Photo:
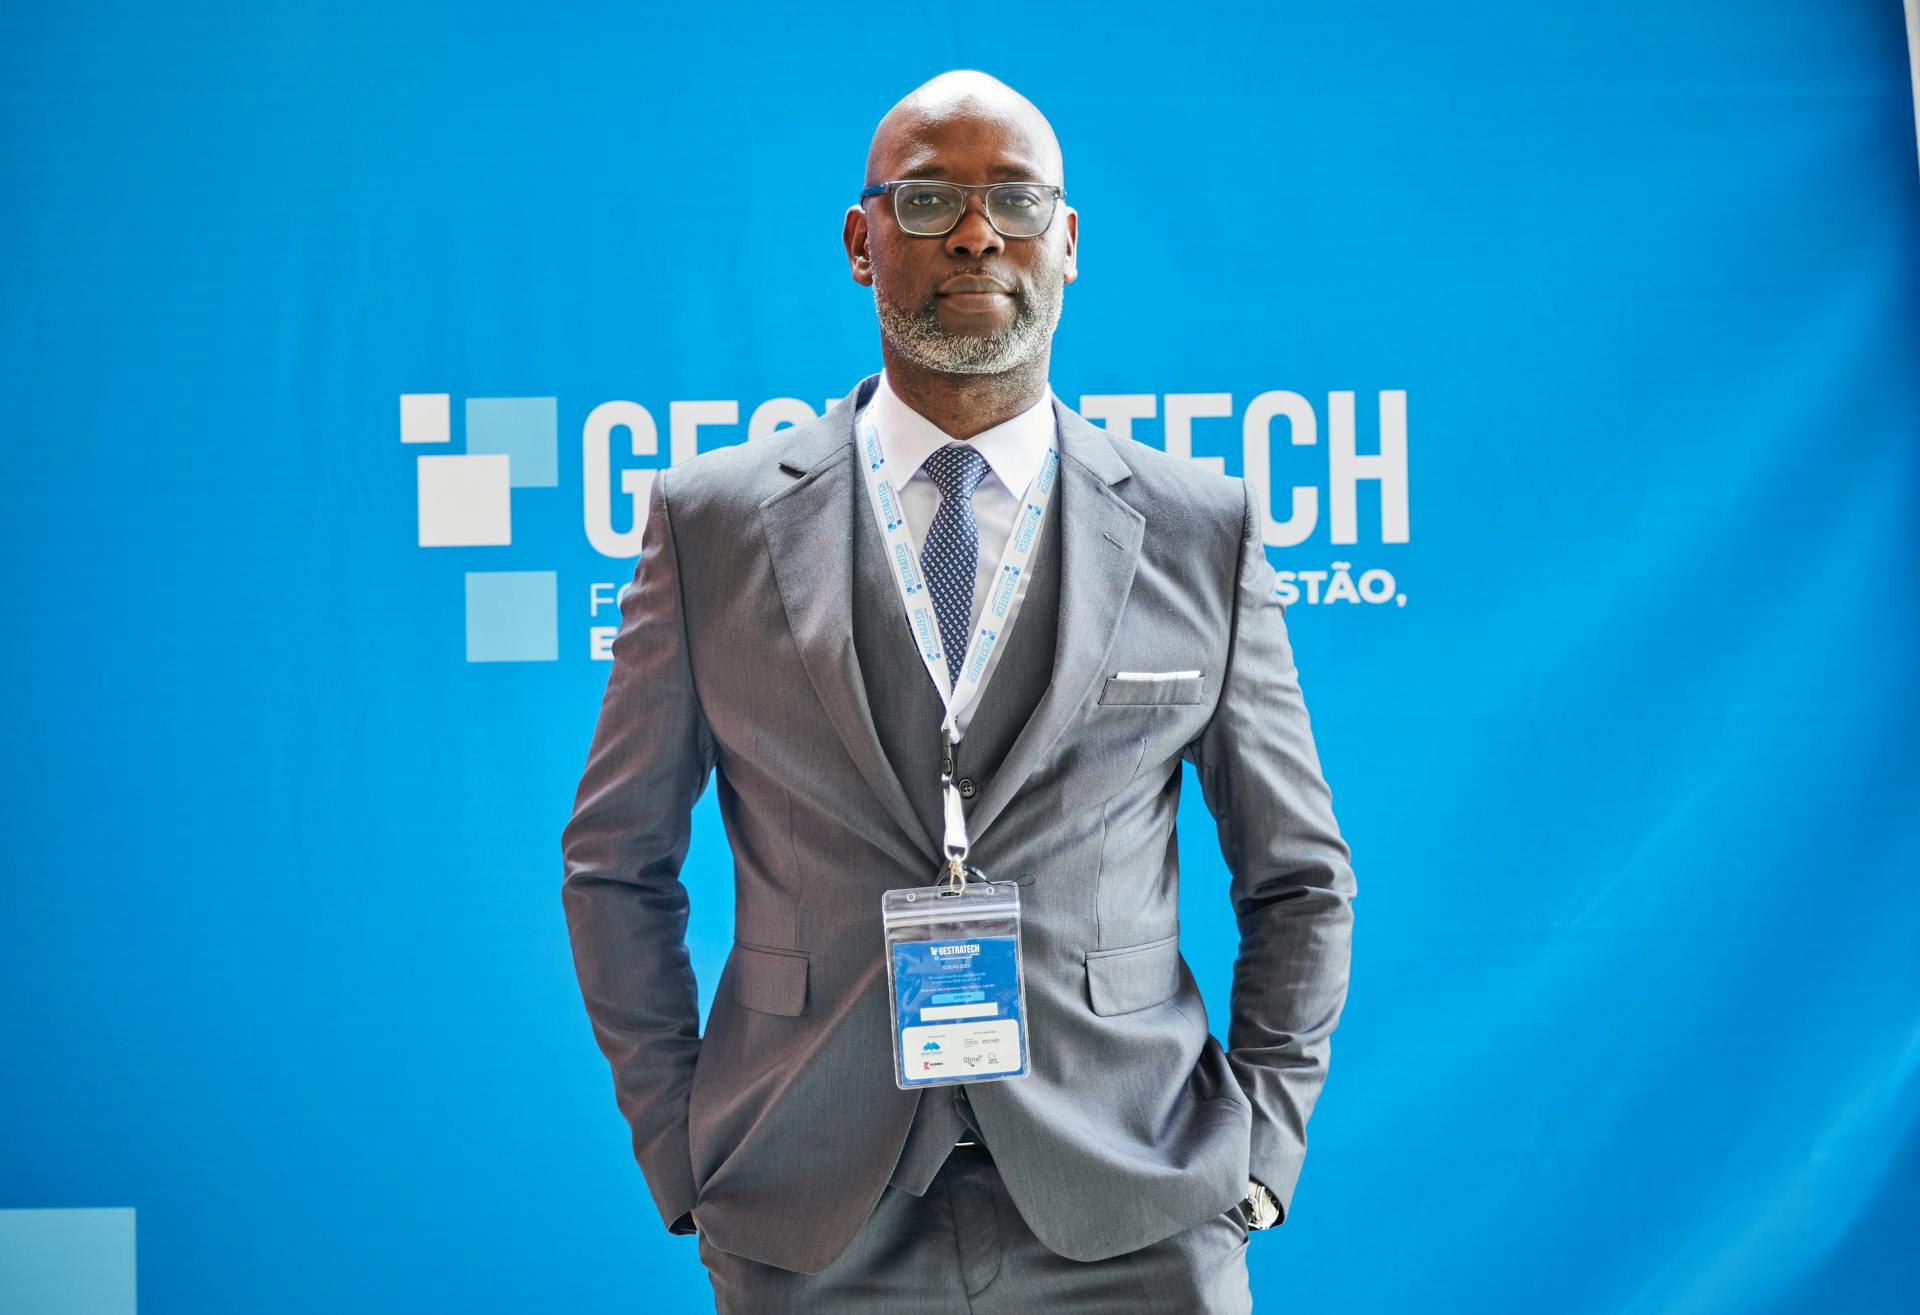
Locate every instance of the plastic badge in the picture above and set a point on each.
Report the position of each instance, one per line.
(957, 983)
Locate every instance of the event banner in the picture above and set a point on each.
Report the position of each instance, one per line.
(1571, 357)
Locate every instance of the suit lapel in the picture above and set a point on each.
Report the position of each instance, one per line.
(811, 543)
(1100, 538)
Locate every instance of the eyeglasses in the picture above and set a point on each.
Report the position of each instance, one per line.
(930, 209)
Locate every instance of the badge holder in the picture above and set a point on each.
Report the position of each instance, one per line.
(959, 996)
(954, 971)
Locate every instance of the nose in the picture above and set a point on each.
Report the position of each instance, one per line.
(973, 235)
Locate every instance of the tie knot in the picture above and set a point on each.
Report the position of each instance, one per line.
(956, 470)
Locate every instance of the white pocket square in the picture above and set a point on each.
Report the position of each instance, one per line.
(1156, 675)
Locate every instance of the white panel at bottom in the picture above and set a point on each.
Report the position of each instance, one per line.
(946, 1049)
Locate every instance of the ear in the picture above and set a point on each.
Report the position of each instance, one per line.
(1072, 271)
(854, 234)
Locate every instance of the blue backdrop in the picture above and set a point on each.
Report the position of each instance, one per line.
(1602, 325)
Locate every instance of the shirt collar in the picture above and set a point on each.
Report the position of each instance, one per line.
(1015, 448)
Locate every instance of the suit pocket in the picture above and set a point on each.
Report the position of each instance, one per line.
(1159, 689)
(771, 981)
(1237, 1216)
(1133, 976)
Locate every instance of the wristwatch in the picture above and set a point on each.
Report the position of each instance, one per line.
(1260, 1207)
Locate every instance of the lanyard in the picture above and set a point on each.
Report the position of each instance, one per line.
(889, 514)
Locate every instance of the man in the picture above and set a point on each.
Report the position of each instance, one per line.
(764, 638)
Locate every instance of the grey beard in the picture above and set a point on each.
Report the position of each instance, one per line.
(923, 340)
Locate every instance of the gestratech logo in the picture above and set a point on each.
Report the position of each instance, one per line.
(465, 499)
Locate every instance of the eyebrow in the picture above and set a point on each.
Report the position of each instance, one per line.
(1022, 173)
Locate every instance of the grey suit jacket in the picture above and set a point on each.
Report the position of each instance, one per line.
(778, 1128)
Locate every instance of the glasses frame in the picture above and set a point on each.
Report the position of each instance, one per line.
(892, 189)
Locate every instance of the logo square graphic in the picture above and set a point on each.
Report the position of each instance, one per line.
(424, 418)
(465, 502)
(523, 428)
(68, 1261)
(513, 616)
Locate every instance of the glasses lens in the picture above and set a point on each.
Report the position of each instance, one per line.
(1019, 210)
(927, 208)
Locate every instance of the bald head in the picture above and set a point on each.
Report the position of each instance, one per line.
(904, 144)
(972, 303)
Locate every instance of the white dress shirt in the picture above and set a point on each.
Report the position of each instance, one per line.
(1015, 450)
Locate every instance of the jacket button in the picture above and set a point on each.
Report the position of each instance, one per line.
(967, 788)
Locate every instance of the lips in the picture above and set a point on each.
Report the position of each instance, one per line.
(967, 283)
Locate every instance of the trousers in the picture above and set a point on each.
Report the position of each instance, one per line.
(962, 1248)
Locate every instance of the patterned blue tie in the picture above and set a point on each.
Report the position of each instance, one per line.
(951, 554)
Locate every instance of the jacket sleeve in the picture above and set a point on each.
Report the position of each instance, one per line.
(625, 906)
(1292, 883)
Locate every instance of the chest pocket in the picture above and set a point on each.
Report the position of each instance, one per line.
(1135, 691)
